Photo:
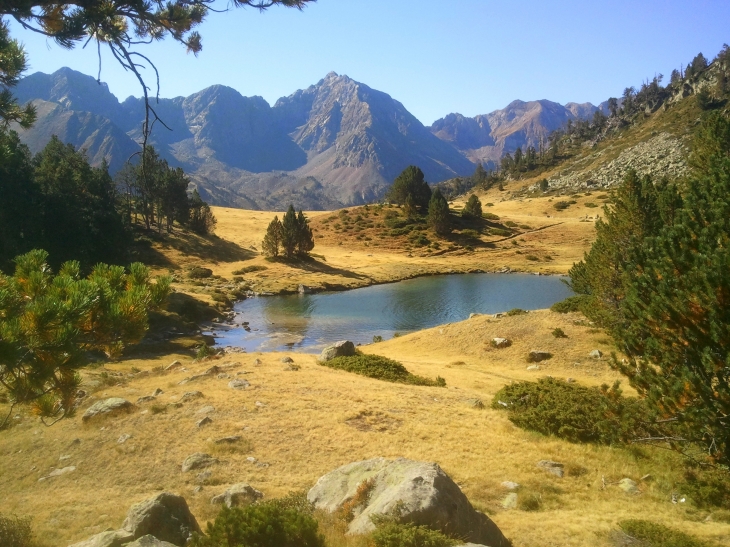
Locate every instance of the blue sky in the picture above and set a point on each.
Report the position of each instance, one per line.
(435, 57)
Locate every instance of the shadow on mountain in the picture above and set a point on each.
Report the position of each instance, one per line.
(311, 264)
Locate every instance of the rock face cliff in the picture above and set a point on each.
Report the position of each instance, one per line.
(487, 137)
(336, 143)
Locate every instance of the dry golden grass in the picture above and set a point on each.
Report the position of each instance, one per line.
(310, 421)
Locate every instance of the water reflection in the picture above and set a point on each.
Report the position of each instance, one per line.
(309, 322)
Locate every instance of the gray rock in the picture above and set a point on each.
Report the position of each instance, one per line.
(509, 485)
(207, 409)
(109, 538)
(510, 501)
(238, 494)
(198, 461)
(228, 440)
(123, 438)
(422, 491)
(473, 315)
(628, 486)
(595, 354)
(476, 403)
(501, 342)
(257, 362)
(106, 407)
(238, 384)
(552, 467)
(343, 348)
(146, 399)
(166, 517)
(536, 356)
(175, 364)
(157, 392)
(205, 421)
(190, 395)
(533, 367)
(149, 541)
(286, 360)
(58, 472)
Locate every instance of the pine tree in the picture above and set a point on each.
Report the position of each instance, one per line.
(305, 237)
(409, 208)
(272, 240)
(677, 334)
(289, 232)
(49, 324)
(473, 208)
(410, 182)
(201, 219)
(438, 213)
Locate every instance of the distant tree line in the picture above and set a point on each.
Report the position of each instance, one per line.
(57, 201)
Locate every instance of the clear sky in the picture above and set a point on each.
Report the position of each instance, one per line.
(434, 56)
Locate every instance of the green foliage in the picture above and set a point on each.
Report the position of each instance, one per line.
(204, 351)
(276, 523)
(15, 532)
(13, 62)
(438, 214)
(533, 258)
(559, 333)
(516, 311)
(653, 534)
(198, 272)
(380, 368)
(411, 182)
(561, 205)
(272, 240)
(473, 208)
(293, 233)
(377, 338)
(49, 324)
(201, 219)
(501, 232)
(544, 185)
(576, 413)
(392, 534)
(708, 487)
(530, 502)
(249, 269)
(490, 216)
(570, 304)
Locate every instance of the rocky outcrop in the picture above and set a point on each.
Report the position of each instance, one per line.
(107, 407)
(238, 494)
(198, 461)
(162, 521)
(409, 491)
(343, 348)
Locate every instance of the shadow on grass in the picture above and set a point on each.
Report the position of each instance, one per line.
(149, 246)
(311, 264)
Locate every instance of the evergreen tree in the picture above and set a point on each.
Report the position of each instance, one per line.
(272, 240)
(677, 334)
(49, 324)
(13, 62)
(410, 182)
(473, 208)
(479, 178)
(305, 237)
(613, 106)
(409, 208)
(438, 213)
(201, 219)
(289, 232)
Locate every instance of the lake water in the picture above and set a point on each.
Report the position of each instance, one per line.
(308, 322)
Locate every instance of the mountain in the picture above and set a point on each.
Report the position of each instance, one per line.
(487, 137)
(333, 144)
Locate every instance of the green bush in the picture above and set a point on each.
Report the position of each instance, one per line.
(559, 333)
(561, 205)
(707, 488)
(533, 258)
(377, 338)
(499, 232)
(204, 351)
(250, 269)
(652, 534)
(570, 304)
(380, 368)
(15, 532)
(392, 534)
(516, 311)
(490, 216)
(570, 411)
(591, 205)
(510, 224)
(276, 523)
(200, 273)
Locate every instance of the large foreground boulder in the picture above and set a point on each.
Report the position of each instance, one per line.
(343, 348)
(106, 407)
(110, 538)
(410, 491)
(238, 494)
(166, 517)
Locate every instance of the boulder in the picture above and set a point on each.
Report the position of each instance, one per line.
(198, 461)
(595, 354)
(343, 348)
(628, 486)
(205, 421)
(238, 384)
(411, 491)
(554, 468)
(536, 356)
(501, 342)
(510, 501)
(510, 485)
(286, 360)
(166, 517)
(109, 538)
(238, 494)
(107, 406)
(149, 541)
(191, 395)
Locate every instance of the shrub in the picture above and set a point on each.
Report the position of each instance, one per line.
(561, 205)
(533, 258)
(591, 205)
(392, 534)
(499, 232)
(559, 333)
(571, 411)
(204, 351)
(250, 269)
(490, 216)
(377, 338)
(15, 532)
(658, 535)
(199, 273)
(270, 524)
(707, 488)
(510, 224)
(516, 311)
(470, 233)
(380, 368)
(531, 502)
(570, 304)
